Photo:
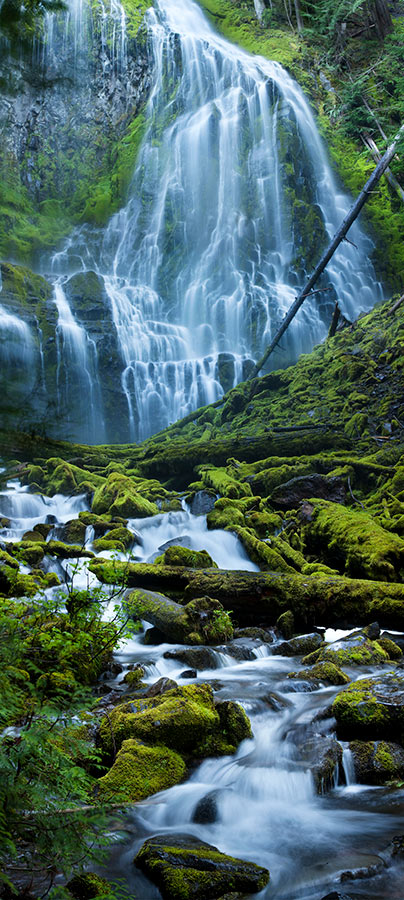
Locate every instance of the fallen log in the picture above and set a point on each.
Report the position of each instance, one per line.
(261, 597)
(201, 621)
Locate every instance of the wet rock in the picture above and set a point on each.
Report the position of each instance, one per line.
(286, 624)
(201, 621)
(364, 871)
(321, 673)
(184, 719)
(291, 493)
(161, 687)
(202, 503)
(239, 649)
(323, 755)
(175, 555)
(355, 650)
(205, 812)
(183, 540)
(195, 657)
(112, 671)
(377, 761)
(182, 864)
(305, 643)
(336, 895)
(276, 701)
(260, 634)
(188, 673)
(393, 644)
(87, 885)
(371, 708)
(73, 532)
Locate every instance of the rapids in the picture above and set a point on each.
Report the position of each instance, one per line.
(264, 804)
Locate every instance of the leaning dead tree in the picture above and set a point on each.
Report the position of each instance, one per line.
(338, 237)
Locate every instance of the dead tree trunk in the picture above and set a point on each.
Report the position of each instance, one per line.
(338, 237)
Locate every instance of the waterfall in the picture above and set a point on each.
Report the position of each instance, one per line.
(76, 375)
(230, 204)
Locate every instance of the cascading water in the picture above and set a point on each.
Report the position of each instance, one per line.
(231, 201)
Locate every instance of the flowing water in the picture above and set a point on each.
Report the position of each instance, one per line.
(230, 204)
(261, 802)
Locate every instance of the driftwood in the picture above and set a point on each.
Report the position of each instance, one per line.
(396, 305)
(338, 237)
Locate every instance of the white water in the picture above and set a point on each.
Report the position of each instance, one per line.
(266, 807)
(206, 257)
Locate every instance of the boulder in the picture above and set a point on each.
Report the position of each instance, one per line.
(322, 673)
(205, 812)
(118, 496)
(201, 621)
(355, 650)
(371, 709)
(183, 556)
(202, 503)
(198, 658)
(305, 643)
(323, 755)
(140, 770)
(183, 866)
(289, 494)
(377, 761)
(183, 718)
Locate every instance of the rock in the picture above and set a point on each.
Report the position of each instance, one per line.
(391, 647)
(371, 709)
(260, 634)
(183, 556)
(239, 649)
(354, 650)
(140, 770)
(73, 532)
(183, 718)
(323, 755)
(205, 812)
(323, 673)
(134, 677)
(305, 643)
(183, 540)
(397, 639)
(182, 865)
(119, 496)
(161, 687)
(276, 701)
(377, 761)
(87, 885)
(286, 624)
(202, 503)
(336, 895)
(188, 673)
(291, 493)
(198, 658)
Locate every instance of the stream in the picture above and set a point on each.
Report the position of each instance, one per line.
(259, 804)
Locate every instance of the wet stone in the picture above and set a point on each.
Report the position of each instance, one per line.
(305, 643)
(196, 657)
(206, 812)
(188, 673)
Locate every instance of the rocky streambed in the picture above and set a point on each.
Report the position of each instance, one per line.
(229, 752)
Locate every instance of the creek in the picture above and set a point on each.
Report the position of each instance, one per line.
(261, 803)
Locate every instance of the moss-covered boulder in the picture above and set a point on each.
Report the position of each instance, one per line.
(184, 867)
(88, 885)
(140, 770)
(120, 496)
(73, 532)
(353, 541)
(183, 556)
(225, 481)
(184, 719)
(371, 709)
(289, 494)
(323, 673)
(305, 643)
(376, 762)
(355, 650)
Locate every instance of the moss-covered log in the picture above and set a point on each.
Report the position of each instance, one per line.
(264, 596)
(201, 621)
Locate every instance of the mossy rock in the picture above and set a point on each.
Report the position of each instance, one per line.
(354, 650)
(88, 885)
(74, 532)
(140, 770)
(182, 556)
(323, 672)
(119, 497)
(184, 718)
(133, 678)
(224, 482)
(185, 868)
(371, 709)
(30, 552)
(67, 551)
(390, 647)
(377, 761)
(299, 645)
(121, 535)
(286, 624)
(228, 517)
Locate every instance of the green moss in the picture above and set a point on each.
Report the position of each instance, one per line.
(121, 496)
(139, 771)
(356, 650)
(88, 885)
(325, 672)
(182, 556)
(224, 481)
(371, 708)
(390, 647)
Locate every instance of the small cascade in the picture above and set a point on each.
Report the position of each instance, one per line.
(348, 765)
(77, 375)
